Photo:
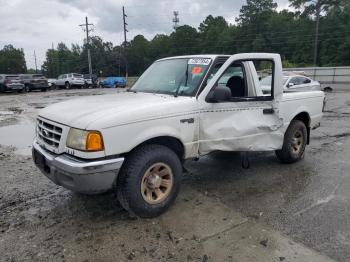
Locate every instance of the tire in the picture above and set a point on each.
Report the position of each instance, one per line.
(67, 85)
(295, 140)
(140, 181)
(43, 89)
(27, 88)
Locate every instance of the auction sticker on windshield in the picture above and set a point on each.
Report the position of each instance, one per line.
(199, 61)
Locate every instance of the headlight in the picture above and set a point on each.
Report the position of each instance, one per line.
(85, 140)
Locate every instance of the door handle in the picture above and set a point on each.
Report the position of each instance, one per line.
(268, 111)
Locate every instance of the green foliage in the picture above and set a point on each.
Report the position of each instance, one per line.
(259, 28)
(12, 60)
(255, 11)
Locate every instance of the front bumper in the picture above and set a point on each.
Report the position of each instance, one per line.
(14, 87)
(87, 177)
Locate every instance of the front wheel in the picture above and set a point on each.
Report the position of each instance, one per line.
(67, 85)
(294, 143)
(149, 181)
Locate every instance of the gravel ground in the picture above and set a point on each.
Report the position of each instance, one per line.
(270, 212)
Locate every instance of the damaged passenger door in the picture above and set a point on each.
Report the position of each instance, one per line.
(240, 105)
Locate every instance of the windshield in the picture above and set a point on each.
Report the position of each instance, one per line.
(12, 77)
(266, 81)
(174, 76)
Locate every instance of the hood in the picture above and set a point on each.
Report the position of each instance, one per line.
(102, 111)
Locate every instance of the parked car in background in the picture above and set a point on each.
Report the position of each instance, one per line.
(34, 82)
(51, 81)
(291, 82)
(70, 80)
(113, 81)
(90, 80)
(11, 83)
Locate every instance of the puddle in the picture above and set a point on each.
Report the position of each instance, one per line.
(19, 136)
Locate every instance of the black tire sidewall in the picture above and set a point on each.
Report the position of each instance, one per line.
(286, 154)
(130, 178)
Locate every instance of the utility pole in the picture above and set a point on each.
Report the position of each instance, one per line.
(176, 20)
(36, 67)
(318, 15)
(125, 43)
(86, 28)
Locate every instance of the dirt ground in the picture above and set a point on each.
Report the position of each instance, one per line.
(269, 212)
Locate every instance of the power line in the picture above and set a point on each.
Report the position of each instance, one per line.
(86, 28)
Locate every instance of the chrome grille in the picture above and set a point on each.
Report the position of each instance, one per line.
(49, 133)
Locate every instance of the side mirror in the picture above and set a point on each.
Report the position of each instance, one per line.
(290, 84)
(219, 94)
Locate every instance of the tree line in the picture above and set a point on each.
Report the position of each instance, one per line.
(258, 28)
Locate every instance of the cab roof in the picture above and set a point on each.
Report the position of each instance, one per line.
(213, 57)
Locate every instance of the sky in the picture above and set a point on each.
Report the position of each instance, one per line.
(36, 25)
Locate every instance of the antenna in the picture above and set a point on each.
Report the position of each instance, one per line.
(176, 20)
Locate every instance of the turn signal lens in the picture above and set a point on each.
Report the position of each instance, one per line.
(94, 141)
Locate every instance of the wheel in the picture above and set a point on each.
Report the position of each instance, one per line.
(43, 89)
(294, 143)
(67, 85)
(27, 88)
(149, 181)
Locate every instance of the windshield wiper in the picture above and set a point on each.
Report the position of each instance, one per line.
(178, 88)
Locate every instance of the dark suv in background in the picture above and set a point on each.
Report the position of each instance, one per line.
(34, 82)
(10, 83)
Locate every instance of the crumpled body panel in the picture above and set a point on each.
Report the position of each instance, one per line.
(235, 128)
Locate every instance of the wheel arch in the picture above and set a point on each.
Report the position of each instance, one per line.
(171, 142)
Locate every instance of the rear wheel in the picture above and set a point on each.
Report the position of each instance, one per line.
(67, 85)
(149, 181)
(294, 143)
(27, 88)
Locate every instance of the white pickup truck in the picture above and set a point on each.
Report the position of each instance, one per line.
(184, 107)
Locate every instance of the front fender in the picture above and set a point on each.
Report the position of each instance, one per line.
(124, 138)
